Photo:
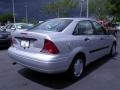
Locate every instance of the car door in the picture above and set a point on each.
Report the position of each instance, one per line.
(84, 33)
(103, 38)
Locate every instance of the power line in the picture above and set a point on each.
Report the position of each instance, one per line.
(26, 13)
(87, 14)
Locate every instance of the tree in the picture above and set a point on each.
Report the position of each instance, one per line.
(98, 7)
(60, 8)
(113, 7)
(4, 18)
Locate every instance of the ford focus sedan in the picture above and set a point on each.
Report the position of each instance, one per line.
(62, 45)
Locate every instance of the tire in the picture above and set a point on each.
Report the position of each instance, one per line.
(113, 50)
(77, 67)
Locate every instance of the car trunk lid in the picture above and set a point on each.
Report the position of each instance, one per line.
(29, 41)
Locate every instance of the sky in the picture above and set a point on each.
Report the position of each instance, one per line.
(34, 8)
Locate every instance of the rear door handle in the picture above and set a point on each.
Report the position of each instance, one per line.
(87, 39)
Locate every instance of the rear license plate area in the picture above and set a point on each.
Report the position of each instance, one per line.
(25, 43)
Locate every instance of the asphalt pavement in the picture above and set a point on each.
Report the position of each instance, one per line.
(103, 74)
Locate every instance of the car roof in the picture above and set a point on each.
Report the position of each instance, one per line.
(78, 19)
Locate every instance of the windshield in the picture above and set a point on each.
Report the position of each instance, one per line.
(56, 25)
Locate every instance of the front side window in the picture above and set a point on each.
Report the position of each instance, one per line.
(83, 28)
(99, 30)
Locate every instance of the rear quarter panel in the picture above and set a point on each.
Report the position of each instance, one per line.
(69, 46)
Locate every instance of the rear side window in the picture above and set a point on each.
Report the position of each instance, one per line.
(56, 25)
(83, 28)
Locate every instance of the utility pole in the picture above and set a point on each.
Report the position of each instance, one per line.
(87, 14)
(58, 13)
(26, 13)
(13, 6)
(81, 7)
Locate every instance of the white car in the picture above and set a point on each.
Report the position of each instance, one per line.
(62, 45)
(18, 27)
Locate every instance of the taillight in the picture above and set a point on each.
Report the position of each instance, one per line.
(49, 47)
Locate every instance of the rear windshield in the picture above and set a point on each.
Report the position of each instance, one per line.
(56, 25)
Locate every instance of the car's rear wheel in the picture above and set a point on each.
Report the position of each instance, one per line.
(76, 68)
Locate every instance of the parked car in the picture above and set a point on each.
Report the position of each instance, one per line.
(62, 45)
(5, 39)
(41, 22)
(18, 27)
(2, 27)
(116, 26)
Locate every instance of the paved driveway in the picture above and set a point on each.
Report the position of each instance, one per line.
(103, 74)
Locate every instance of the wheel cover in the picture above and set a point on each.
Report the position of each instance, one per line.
(78, 68)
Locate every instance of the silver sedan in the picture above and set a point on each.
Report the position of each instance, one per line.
(62, 45)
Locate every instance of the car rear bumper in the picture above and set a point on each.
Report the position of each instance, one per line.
(40, 62)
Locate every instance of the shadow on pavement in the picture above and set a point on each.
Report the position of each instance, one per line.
(60, 81)
(96, 64)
